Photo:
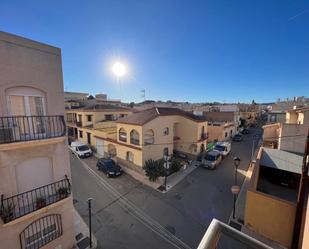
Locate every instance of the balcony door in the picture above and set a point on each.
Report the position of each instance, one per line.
(29, 105)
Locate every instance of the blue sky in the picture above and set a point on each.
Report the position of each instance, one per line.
(194, 51)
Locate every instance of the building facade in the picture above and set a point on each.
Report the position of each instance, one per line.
(150, 133)
(36, 202)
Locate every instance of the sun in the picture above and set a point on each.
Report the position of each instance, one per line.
(119, 69)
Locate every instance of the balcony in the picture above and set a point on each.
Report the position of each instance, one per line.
(25, 203)
(217, 228)
(27, 128)
(203, 137)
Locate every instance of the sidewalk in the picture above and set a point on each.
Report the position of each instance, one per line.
(177, 177)
(82, 233)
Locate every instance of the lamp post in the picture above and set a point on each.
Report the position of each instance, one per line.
(235, 189)
(165, 171)
(90, 228)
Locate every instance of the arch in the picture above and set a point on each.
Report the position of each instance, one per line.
(41, 231)
(111, 149)
(134, 137)
(149, 137)
(130, 156)
(122, 135)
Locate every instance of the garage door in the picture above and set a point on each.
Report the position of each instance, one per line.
(100, 147)
(27, 180)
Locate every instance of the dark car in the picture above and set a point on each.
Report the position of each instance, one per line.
(237, 138)
(109, 167)
(245, 131)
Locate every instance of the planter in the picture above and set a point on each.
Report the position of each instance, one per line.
(40, 202)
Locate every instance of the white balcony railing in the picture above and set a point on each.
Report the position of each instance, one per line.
(217, 228)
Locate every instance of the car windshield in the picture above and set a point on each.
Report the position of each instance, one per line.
(219, 148)
(83, 148)
(109, 164)
(211, 158)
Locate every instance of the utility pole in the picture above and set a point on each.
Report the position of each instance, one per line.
(89, 213)
(303, 186)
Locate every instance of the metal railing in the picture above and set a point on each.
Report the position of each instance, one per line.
(217, 228)
(27, 128)
(204, 136)
(24, 203)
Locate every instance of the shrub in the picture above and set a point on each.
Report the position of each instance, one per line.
(175, 165)
(153, 169)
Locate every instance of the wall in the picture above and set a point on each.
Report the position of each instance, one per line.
(293, 137)
(306, 229)
(270, 217)
(27, 63)
(218, 132)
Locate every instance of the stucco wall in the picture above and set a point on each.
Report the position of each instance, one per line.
(27, 63)
(270, 217)
(293, 137)
(9, 233)
(218, 132)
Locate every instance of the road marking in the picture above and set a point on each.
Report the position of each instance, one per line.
(136, 212)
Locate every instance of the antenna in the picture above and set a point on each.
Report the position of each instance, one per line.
(143, 94)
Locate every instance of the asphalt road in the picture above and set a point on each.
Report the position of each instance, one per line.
(127, 214)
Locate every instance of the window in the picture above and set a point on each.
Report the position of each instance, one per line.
(130, 156)
(166, 131)
(122, 135)
(149, 137)
(225, 134)
(41, 232)
(81, 134)
(134, 137)
(89, 118)
(165, 151)
(109, 117)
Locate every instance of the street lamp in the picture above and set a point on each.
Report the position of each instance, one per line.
(235, 189)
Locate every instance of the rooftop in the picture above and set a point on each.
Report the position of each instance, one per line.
(282, 160)
(143, 117)
(102, 107)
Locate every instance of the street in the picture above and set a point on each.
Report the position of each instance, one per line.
(128, 214)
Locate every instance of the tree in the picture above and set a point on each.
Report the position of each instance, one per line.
(90, 97)
(131, 104)
(153, 169)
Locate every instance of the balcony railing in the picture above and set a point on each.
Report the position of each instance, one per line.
(27, 128)
(204, 136)
(217, 228)
(24, 203)
(134, 141)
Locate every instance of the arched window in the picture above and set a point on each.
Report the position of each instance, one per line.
(130, 156)
(134, 137)
(149, 137)
(122, 135)
(166, 131)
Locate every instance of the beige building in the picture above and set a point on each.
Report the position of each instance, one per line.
(36, 201)
(221, 131)
(85, 124)
(149, 133)
(272, 195)
(291, 134)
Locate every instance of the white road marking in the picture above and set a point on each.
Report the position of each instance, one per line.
(136, 212)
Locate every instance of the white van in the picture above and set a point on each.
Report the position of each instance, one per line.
(81, 149)
(224, 148)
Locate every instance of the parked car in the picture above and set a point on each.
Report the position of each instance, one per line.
(81, 149)
(245, 131)
(109, 167)
(237, 137)
(212, 159)
(224, 148)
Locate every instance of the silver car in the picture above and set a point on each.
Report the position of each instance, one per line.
(212, 159)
